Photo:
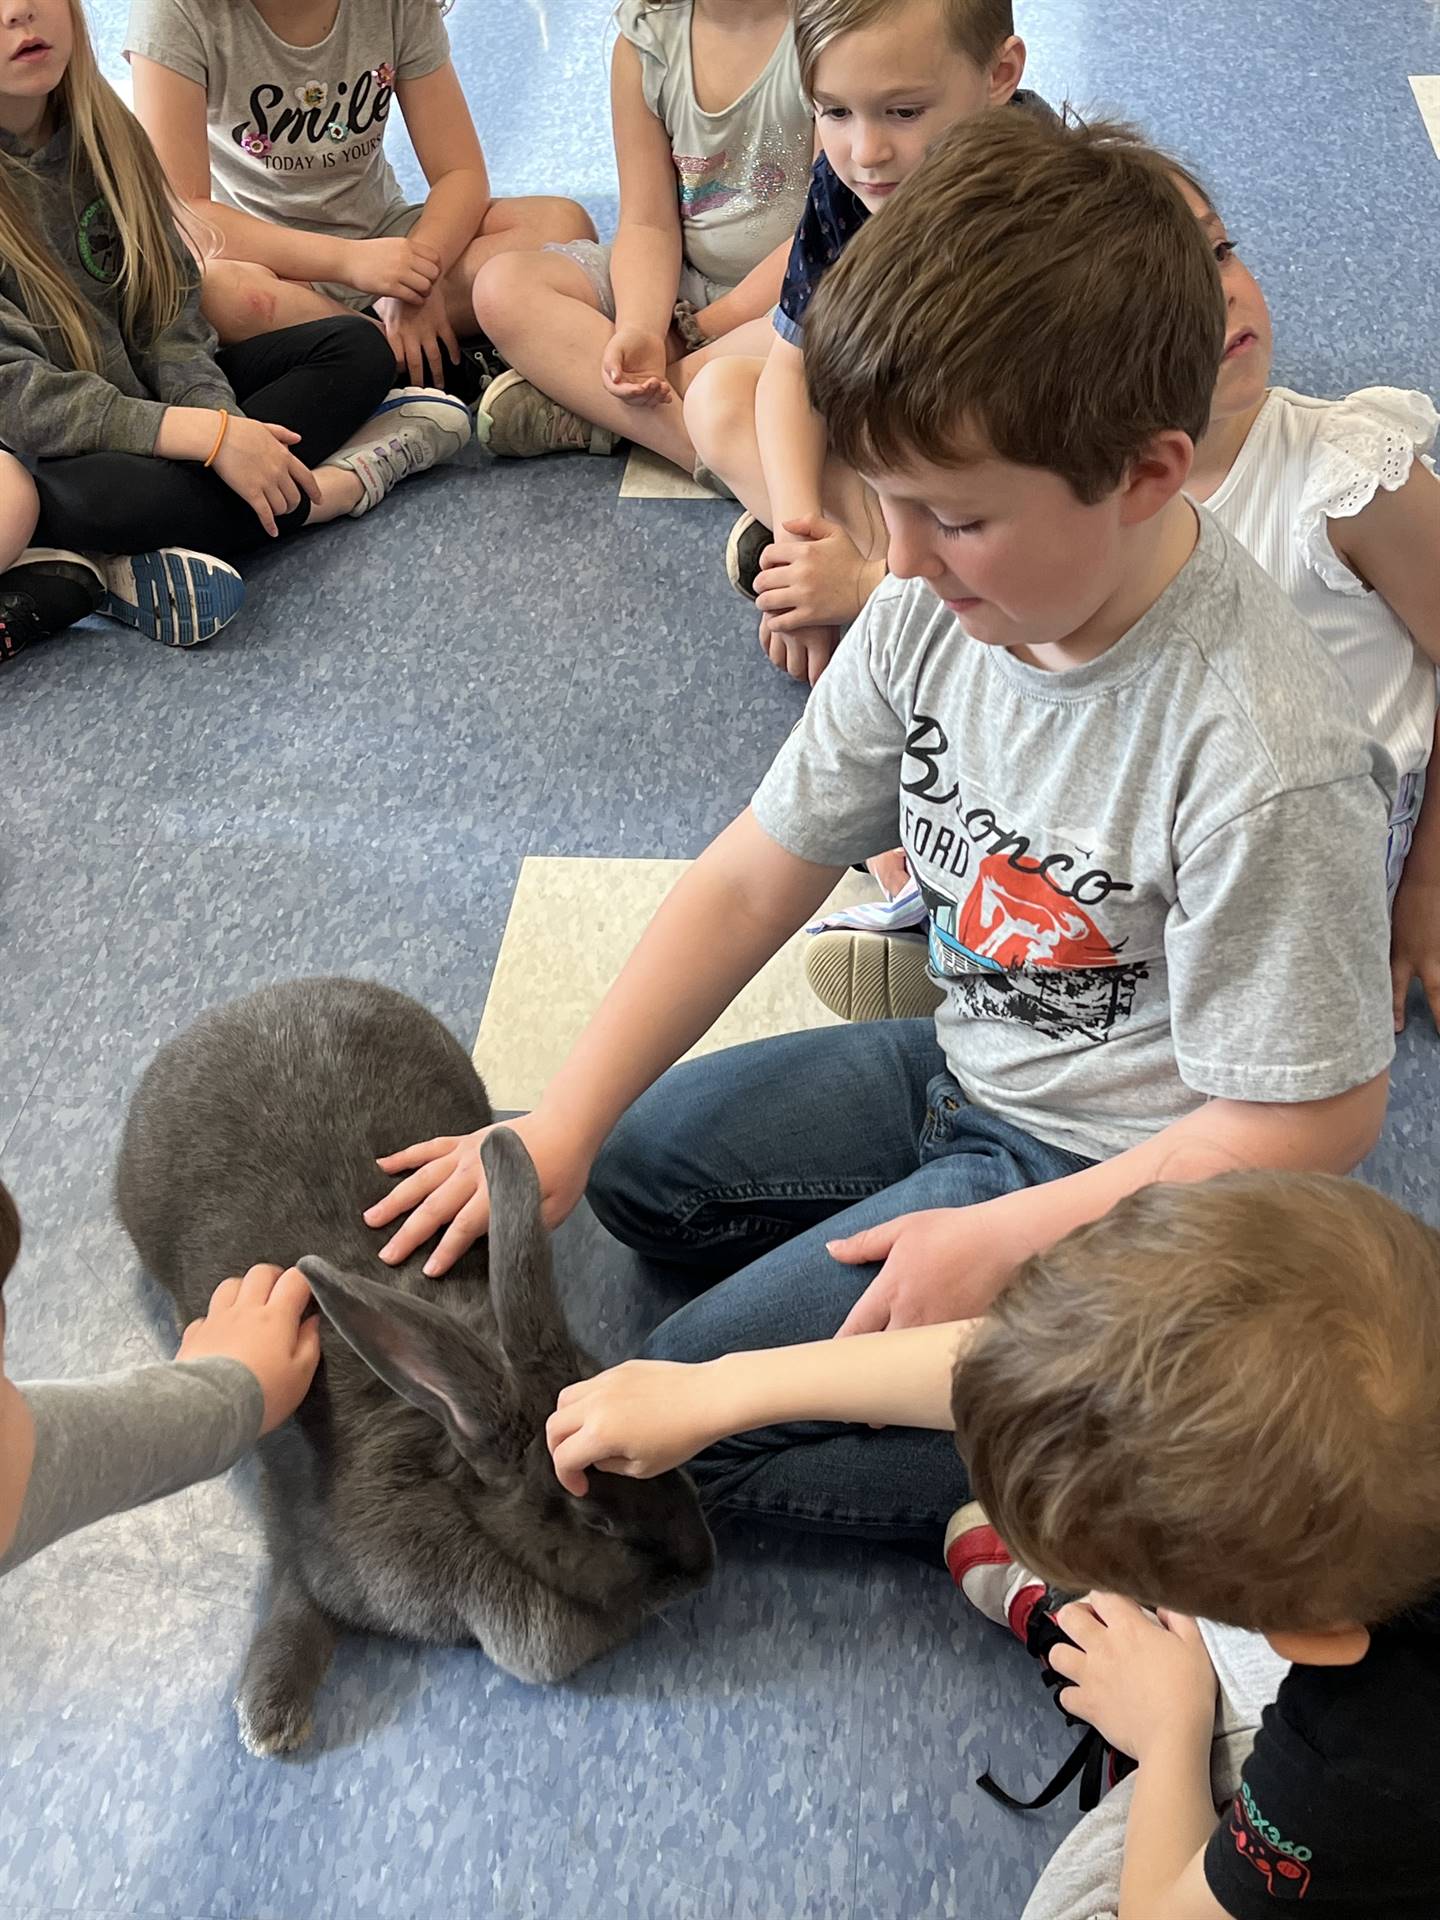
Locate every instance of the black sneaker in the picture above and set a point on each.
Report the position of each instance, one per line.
(44, 592)
(749, 538)
(480, 362)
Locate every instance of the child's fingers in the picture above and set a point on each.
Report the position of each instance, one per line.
(264, 515)
(420, 1185)
(225, 1295)
(287, 436)
(307, 1344)
(305, 480)
(1401, 975)
(420, 1155)
(257, 1285)
(289, 1292)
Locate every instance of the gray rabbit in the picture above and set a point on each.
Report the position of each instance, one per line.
(412, 1493)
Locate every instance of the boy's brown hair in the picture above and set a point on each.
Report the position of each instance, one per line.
(1221, 1398)
(976, 28)
(1035, 291)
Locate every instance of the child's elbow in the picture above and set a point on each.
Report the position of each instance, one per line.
(1359, 1121)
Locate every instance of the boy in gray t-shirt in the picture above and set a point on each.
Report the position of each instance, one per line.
(1125, 775)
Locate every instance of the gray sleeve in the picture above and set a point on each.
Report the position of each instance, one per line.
(421, 43)
(103, 1446)
(48, 412)
(162, 31)
(832, 794)
(179, 367)
(1279, 951)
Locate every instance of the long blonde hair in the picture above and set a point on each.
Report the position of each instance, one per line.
(107, 139)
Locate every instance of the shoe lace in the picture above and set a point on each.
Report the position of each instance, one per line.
(1094, 1762)
(398, 455)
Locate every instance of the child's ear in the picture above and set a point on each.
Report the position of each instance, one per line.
(1156, 474)
(1007, 70)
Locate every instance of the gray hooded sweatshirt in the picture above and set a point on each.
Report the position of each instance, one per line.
(48, 410)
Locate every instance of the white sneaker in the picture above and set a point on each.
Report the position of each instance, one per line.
(416, 428)
(172, 595)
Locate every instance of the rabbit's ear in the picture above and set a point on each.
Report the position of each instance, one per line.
(429, 1357)
(537, 1344)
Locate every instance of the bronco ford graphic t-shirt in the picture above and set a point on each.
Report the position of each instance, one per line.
(296, 133)
(1153, 878)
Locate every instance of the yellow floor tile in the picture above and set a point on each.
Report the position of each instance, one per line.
(648, 477)
(571, 926)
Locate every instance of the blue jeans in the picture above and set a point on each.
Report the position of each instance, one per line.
(738, 1167)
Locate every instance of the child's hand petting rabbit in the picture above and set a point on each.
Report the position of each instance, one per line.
(447, 1184)
(638, 1419)
(260, 1321)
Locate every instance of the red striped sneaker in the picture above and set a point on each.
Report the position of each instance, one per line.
(981, 1566)
(997, 1585)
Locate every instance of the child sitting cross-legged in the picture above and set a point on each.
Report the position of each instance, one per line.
(137, 460)
(886, 78)
(1152, 872)
(1220, 1399)
(1339, 503)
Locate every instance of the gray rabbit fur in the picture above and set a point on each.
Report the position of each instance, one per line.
(412, 1493)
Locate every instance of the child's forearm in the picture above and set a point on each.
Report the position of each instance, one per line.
(1223, 1136)
(720, 923)
(187, 433)
(896, 1379)
(791, 436)
(755, 295)
(292, 252)
(104, 1446)
(1171, 1820)
(645, 272)
(454, 208)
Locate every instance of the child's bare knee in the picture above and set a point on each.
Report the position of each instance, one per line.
(567, 220)
(503, 288)
(720, 409)
(19, 508)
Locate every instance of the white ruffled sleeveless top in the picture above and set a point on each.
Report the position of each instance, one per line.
(1304, 463)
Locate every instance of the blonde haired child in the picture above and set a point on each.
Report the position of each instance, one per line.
(110, 388)
(713, 142)
(886, 77)
(270, 118)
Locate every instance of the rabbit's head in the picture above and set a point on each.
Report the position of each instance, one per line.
(491, 1388)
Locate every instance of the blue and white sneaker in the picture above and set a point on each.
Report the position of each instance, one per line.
(172, 595)
(415, 429)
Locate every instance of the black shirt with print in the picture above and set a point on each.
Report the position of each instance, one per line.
(1336, 1812)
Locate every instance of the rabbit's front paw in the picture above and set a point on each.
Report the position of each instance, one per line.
(271, 1723)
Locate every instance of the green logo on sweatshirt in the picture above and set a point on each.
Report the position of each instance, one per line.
(101, 252)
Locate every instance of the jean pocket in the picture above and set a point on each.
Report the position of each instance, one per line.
(944, 1115)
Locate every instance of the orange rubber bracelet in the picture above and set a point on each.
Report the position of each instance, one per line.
(220, 437)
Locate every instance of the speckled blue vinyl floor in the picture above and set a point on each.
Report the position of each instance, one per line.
(504, 662)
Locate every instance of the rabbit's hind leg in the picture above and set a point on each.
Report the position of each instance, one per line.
(283, 1669)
